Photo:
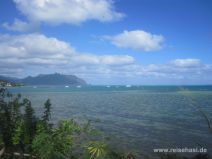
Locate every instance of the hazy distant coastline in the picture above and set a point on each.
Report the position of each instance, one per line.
(47, 79)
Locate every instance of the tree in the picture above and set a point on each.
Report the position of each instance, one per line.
(47, 114)
(25, 129)
(57, 143)
(9, 116)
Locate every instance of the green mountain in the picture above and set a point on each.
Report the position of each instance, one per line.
(48, 79)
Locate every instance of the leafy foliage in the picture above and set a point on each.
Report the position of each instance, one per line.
(96, 149)
(47, 114)
(9, 116)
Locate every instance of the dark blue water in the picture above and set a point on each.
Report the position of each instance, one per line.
(138, 118)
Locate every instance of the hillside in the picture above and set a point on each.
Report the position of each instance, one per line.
(48, 79)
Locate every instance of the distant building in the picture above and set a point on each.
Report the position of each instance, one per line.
(8, 85)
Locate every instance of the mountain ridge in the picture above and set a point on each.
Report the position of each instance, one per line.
(47, 79)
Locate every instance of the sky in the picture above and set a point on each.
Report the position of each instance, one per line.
(145, 42)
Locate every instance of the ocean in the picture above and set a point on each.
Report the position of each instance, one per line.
(136, 118)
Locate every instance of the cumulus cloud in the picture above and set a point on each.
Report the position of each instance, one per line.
(63, 11)
(103, 60)
(137, 40)
(21, 26)
(33, 46)
(186, 62)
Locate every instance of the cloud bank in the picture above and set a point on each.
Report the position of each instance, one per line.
(31, 54)
(37, 50)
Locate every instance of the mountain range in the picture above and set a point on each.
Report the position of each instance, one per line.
(47, 79)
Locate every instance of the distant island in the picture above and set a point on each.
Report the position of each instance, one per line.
(46, 79)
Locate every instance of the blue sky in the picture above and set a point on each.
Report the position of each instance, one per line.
(108, 42)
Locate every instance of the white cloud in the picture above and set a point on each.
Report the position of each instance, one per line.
(38, 50)
(33, 46)
(147, 74)
(138, 40)
(67, 11)
(31, 54)
(21, 26)
(186, 62)
(103, 60)
(57, 12)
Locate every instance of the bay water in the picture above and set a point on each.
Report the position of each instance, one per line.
(137, 118)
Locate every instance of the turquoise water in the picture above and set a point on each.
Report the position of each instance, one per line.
(139, 118)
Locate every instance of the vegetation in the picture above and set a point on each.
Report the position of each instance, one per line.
(24, 135)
